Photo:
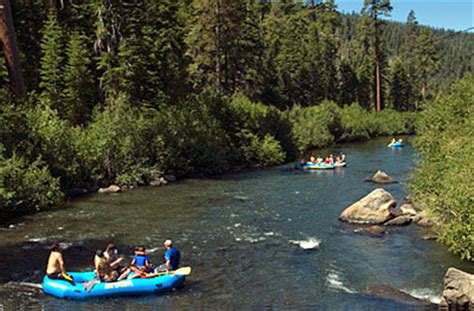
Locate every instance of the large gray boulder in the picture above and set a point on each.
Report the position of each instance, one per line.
(381, 178)
(377, 207)
(459, 288)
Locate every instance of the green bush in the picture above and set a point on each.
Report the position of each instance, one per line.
(316, 126)
(260, 152)
(121, 144)
(25, 187)
(356, 123)
(55, 141)
(391, 122)
(443, 182)
(194, 141)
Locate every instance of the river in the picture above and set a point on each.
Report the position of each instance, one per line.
(259, 238)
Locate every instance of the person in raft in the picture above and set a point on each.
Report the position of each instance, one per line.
(56, 269)
(172, 257)
(392, 141)
(103, 268)
(111, 254)
(343, 157)
(141, 264)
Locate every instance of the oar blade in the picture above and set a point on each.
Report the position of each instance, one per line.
(183, 271)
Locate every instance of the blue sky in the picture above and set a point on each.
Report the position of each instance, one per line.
(455, 14)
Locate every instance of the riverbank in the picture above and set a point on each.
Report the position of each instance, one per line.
(252, 238)
(45, 158)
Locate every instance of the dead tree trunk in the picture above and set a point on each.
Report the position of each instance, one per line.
(12, 56)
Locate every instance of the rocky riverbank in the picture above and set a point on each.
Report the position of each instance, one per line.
(379, 210)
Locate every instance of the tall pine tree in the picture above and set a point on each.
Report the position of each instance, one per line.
(52, 62)
(374, 9)
(79, 93)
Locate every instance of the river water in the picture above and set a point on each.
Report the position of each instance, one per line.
(260, 238)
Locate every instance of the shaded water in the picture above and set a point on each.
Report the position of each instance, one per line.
(252, 240)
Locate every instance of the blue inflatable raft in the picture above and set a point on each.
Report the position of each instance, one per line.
(127, 287)
(397, 145)
(314, 166)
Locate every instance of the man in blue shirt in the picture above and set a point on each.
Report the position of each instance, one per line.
(172, 257)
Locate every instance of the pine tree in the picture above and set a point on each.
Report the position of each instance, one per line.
(164, 52)
(426, 59)
(223, 43)
(374, 9)
(51, 71)
(363, 62)
(399, 86)
(79, 94)
(409, 60)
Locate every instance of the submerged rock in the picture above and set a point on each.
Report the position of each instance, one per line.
(110, 189)
(381, 178)
(459, 288)
(388, 292)
(429, 237)
(377, 207)
(374, 230)
(399, 221)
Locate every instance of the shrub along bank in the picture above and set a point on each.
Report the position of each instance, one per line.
(42, 155)
(443, 183)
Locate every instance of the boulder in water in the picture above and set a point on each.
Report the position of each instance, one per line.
(399, 221)
(429, 237)
(110, 189)
(424, 222)
(407, 209)
(377, 207)
(372, 230)
(381, 178)
(459, 288)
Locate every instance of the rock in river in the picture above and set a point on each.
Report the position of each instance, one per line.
(381, 178)
(375, 208)
(399, 221)
(388, 292)
(407, 209)
(372, 230)
(459, 288)
(110, 189)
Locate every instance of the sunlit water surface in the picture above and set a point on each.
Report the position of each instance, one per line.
(262, 238)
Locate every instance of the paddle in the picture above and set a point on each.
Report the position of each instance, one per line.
(181, 271)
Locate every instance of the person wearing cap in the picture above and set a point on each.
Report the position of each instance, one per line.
(172, 257)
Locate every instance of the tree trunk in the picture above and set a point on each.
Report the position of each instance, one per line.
(12, 56)
(377, 80)
(377, 68)
(423, 90)
(218, 48)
